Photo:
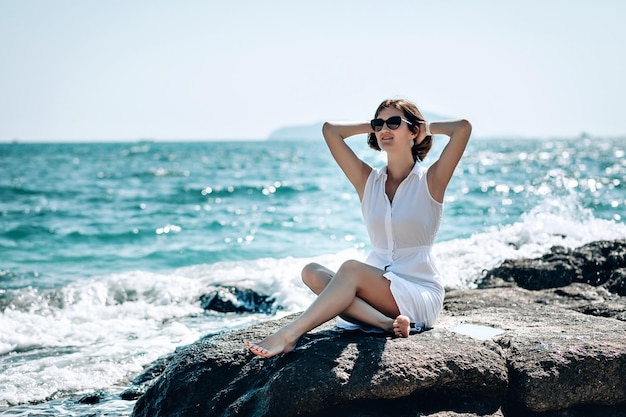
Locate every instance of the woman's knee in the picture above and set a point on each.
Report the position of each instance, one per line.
(361, 275)
(350, 267)
(309, 271)
(315, 276)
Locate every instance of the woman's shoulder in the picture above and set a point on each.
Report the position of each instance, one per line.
(377, 174)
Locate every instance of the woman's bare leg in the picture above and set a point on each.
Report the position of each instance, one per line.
(317, 277)
(354, 280)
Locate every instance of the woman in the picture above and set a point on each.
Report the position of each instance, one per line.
(397, 288)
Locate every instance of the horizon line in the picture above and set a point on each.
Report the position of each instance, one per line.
(582, 135)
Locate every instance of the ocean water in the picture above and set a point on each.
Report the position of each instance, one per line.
(105, 249)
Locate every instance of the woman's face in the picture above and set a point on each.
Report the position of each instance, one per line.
(400, 139)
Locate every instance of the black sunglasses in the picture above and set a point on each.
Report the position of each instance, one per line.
(392, 123)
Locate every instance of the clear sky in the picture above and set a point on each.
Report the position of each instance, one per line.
(191, 69)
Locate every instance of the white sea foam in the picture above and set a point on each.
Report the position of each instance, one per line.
(90, 334)
(562, 222)
(98, 333)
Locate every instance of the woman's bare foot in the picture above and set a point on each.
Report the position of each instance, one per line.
(401, 326)
(279, 342)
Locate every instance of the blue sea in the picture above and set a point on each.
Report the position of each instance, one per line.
(105, 248)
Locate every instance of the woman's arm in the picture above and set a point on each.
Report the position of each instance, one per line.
(440, 173)
(355, 169)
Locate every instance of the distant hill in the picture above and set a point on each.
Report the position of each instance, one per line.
(302, 132)
(314, 131)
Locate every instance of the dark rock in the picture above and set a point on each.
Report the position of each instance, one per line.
(503, 351)
(92, 398)
(591, 262)
(236, 300)
(152, 371)
(132, 393)
(617, 282)
(536, 274)
(143, 381)
(594, 263)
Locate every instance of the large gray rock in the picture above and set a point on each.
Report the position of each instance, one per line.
(329, 373)
(557, 358)
(501, 351)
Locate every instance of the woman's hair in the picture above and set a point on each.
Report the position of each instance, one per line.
(413, 115)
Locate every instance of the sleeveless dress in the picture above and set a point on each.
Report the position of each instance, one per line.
(402, 234)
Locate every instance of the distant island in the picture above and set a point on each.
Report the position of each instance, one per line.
(314, 131)
(301, 132)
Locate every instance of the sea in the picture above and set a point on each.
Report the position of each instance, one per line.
(106, 248)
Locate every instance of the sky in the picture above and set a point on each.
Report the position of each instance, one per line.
(86, 70)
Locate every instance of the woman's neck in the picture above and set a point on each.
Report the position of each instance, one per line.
(399, 168)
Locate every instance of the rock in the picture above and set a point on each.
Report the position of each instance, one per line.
(132, 393)
(617, 282)
(153, 371)
(92, 398)
(598, 260)
(228, 299)
(330, 373)
(556, 350)
(536, 274)
(557, 358)
(594, 263)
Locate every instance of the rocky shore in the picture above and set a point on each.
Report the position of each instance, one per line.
(539, 337)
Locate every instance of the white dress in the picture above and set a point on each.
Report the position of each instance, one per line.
(402, 234)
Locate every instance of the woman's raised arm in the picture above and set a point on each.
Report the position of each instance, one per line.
(335, 134)
(440, 173)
